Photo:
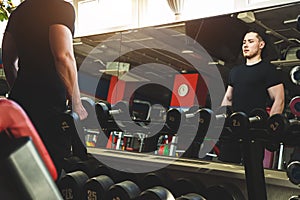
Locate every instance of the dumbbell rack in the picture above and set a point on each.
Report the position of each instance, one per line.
(279, 187)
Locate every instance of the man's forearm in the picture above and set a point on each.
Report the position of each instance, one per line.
(277, 107)
(10, 74)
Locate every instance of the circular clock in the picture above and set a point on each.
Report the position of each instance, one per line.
(183, 89)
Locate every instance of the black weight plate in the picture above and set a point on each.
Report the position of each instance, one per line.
(224, 191)
(277, 125)
(184, 186)
(102, 113)
(71, 185)
(97, 187)
(156, 193)
(239, 122)
(173, 119)
(126, 190)
(293, 172)
(191, 196)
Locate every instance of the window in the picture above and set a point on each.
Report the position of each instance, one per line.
(96, 16)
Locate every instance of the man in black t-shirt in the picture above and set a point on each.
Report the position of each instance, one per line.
(40, 67)
(253, 84)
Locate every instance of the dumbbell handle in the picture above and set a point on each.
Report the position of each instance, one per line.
(191, 115)
(115, 112)
(221, 116)
(254, 119)
(294, 121)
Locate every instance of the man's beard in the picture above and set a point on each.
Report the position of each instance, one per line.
(249, 56)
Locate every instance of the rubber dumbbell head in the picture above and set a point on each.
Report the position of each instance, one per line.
(293, 172)
(240, 122)
(71, 185)
(102, 111)
(191, 196)
(124, 190)
(173, 119)
(97, 187)
(156, 193)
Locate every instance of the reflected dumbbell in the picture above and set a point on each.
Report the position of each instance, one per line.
(119, 117)
(106, 114)
(97, 187)
(295, 106)
(173, 119)
(294, 198)
(240, 122)
(293, 172)
(283, 129)
(219, 118)
(295, 75)
(200, 117)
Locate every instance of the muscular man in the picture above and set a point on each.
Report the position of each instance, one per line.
(40, 67)
(252, 85)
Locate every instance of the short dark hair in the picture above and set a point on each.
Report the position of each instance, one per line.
(260, 34)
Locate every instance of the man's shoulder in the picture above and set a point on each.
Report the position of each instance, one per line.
(237, 67)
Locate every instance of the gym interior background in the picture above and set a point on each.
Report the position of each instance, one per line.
(114, 38)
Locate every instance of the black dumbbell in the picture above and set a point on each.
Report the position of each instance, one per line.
(91, 166)
(183, 186)
(70, 125)
(107, 114)
(89, 122)
(226, 191)
(158, 178)
(280, 126)
(241, 122)
(282, 130)
(191, 196)
(295, 105)
(97, 187)
(156, 193)
(293, 172)
(175, 117)
(71, 185)
(126, 190)
(218, 117)
(295, 197)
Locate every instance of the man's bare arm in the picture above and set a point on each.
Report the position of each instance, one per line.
(227, 100)
(60, 39)
(9, 58)
(277, 94)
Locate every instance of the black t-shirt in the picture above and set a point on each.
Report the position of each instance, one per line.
(250, 84)
(29, 24)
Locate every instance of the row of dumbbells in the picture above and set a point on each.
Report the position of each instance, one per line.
(277, 128)
(276, 125)
(92, 180)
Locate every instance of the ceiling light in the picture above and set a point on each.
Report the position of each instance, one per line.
(247, 17)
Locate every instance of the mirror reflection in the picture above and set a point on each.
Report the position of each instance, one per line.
(159, 90)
